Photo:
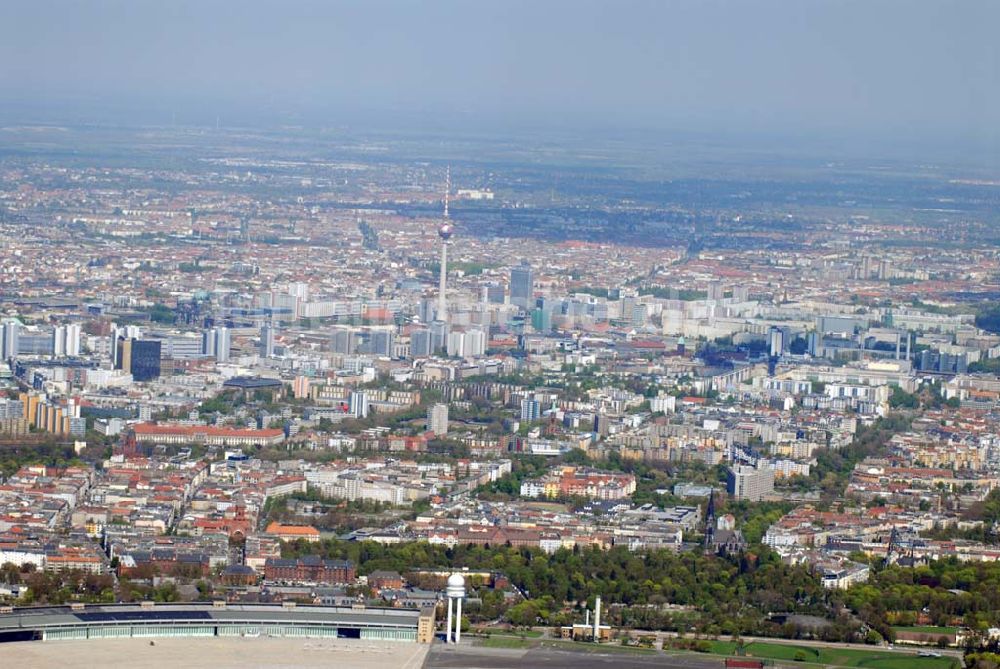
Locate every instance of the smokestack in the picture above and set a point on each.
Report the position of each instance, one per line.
(597, 619)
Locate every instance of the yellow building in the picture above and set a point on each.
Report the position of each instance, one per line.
(425, 625)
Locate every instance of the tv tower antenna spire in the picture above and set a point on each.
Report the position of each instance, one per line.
(444, 232)
(447, 190)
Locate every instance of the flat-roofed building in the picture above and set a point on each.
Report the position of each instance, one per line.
(206, 434)
(214, 619)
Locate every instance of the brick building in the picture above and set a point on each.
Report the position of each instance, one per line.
(310, 569)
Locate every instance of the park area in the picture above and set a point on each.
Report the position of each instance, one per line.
(835, 656)
(783, 654)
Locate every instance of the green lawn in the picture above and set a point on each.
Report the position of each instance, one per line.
(843, 657)
(927, 629)
(863, 658)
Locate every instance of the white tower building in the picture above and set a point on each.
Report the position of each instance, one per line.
(456, 593)
(437, 419)
(73, 333)
(59, 341)
(223, 343)
(445, 232)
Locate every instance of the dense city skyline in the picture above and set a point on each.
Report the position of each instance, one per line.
(511, 335)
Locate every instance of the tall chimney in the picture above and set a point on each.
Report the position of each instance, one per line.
(597, 619)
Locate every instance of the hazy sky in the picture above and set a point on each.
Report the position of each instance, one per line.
(744, 66)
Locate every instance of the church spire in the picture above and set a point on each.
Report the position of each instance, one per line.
(710, 522)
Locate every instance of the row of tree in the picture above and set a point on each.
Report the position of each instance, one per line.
(720, 595)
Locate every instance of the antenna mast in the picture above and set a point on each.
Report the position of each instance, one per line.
(447, 190)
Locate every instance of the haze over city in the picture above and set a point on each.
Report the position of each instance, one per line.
(925, 72)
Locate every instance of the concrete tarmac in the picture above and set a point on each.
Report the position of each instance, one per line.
(213, 653)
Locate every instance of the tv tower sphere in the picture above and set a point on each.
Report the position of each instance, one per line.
(445, 231)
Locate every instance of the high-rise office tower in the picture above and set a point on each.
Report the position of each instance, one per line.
(426, 309)
(267, 341)
(437, 419)
(776, 342)
(115, 341)
(421, 343)
(358, 404)
(9, 337)
(468, 343)
(123, 354)
(522, 291)
(380, 342)
(541, 320)
(343, 341)
(139, 357)
(208, 342)
(439, 336)
(494, 293)
(300, 387)
(119, 333)
(59, 341)
(145, 359)
(749, 483)
(73, 336)
(223, 344)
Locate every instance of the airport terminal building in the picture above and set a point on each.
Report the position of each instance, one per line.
(207, 619)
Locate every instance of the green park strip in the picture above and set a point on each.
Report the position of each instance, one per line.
(838, 657)
(927, 629)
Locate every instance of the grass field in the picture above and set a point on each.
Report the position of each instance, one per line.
(862, 658)
(842, 657)
(531, 634)
(927, 629)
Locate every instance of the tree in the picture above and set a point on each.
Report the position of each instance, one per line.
(988, 318)
(900, 399)
(798, 346)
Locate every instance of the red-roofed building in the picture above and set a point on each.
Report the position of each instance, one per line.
(293, 532)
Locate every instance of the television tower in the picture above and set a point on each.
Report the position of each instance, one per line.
(445, 232)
